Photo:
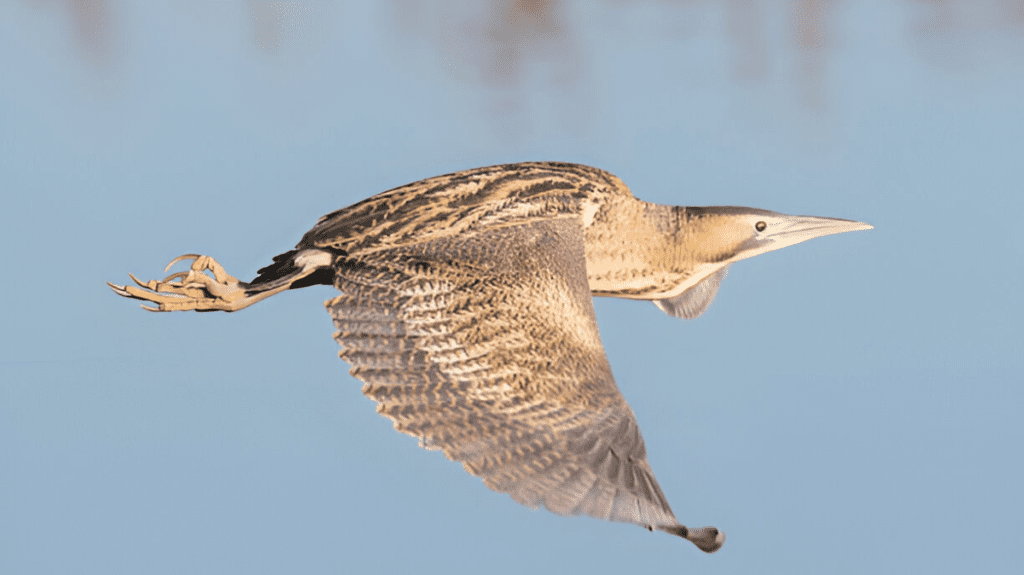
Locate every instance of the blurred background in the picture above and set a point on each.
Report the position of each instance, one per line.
(849, 405)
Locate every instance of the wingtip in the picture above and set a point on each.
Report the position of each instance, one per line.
(707, 539)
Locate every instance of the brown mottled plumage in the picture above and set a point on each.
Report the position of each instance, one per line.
(466, 308)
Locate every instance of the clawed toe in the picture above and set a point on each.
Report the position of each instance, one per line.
(172, 277)
(190, 290)
(182, 258)
(119, 290)
(201, 264)
(150, 285)
(179, 289)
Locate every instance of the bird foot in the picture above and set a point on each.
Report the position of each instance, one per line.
(191, 290)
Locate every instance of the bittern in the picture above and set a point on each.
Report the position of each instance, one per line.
(466, 310)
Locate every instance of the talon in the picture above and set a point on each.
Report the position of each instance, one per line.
(143, 284)
(193, 289)
(180, 258)
(175, 276)
(119, 290)
(136, 293)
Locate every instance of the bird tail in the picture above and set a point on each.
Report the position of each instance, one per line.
(286, 265)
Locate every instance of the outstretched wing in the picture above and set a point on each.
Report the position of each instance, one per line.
(486, 346)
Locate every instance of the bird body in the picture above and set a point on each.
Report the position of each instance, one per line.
(466, 309)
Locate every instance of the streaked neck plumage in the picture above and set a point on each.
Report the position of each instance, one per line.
(640, 250)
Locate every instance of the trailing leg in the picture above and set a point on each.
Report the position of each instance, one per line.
(196, 290)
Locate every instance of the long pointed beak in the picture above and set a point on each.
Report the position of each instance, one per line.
(796, 229)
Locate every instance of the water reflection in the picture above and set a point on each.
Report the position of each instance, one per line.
(90, 23)
(506, 45)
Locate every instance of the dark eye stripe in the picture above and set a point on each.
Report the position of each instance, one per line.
(760, 226)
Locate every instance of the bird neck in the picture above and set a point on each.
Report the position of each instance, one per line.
(640, 250)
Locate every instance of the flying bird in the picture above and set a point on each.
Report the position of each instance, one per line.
(466, 309)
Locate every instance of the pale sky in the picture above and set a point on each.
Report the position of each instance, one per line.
(848, 405)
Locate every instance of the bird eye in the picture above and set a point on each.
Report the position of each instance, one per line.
(760, 226)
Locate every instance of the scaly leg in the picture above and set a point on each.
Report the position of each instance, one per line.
(195, 290)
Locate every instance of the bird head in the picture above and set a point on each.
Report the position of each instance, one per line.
(726, 234)
(712, 238)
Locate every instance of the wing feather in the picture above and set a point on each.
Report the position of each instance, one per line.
(462, 202)
(486, 346)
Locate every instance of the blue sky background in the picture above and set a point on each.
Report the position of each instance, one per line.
(849, 405)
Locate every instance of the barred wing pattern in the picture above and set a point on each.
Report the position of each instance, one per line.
(464, 203)
(486, 346)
